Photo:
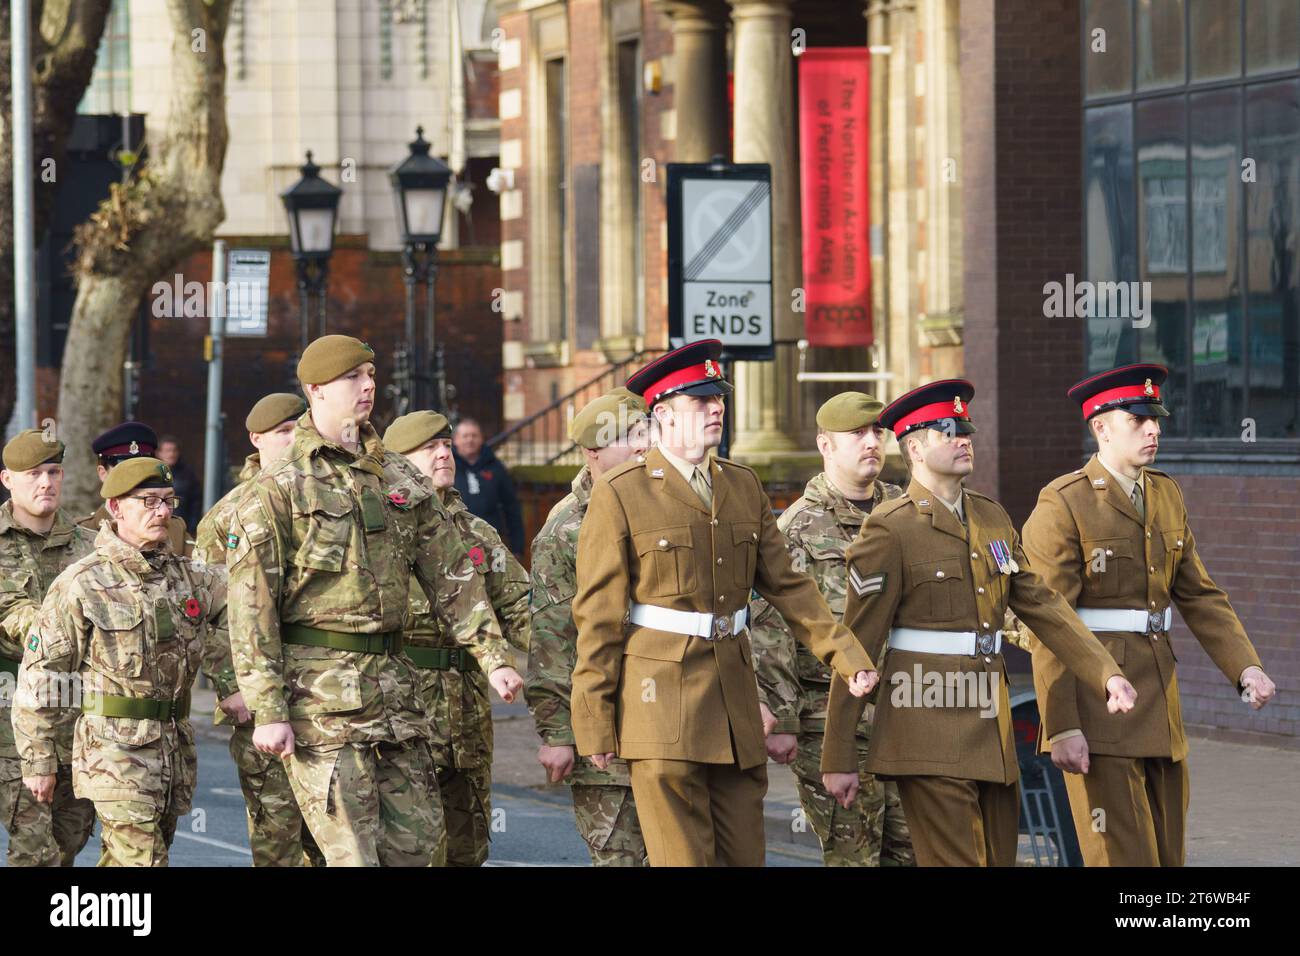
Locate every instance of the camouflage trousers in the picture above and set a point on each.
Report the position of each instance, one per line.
(872, 832)
(606, 818)
(134, 833)
(42, 834)
(276, 833)
(371, 804)
(467, 805)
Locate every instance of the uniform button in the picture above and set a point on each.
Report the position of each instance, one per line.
(1180, 542)
(986, 624)
(663, 542)
(754, 535)
(721, 598)
(715, 522)
(1109, 552)
(938, 574)
(980, 590)
(988, 660)
(1153, 569)
(1153, 603)
(719, 560)
(974, 554)
(1148, 534)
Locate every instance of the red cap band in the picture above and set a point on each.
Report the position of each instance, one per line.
(1135, 393)
(931, 413)
(706, 370)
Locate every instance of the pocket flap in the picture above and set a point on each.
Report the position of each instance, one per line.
(331, 690)
(664, 539)
(926, 572)
(745, 532)
(1115, 647)
(317, 497)
(113, 615)
(1173, 540)
(657, 645)
(1110, 547)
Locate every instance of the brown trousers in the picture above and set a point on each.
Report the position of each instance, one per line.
(1130, 811)
(700, 814)
(958, 822)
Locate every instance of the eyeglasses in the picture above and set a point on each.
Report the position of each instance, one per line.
(151, 502)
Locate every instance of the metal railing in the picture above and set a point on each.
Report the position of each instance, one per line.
(543, 437)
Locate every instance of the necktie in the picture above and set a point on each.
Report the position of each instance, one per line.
(1137, 501)
(701, 487)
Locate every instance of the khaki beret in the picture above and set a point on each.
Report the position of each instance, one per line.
(414, 430)
(330, 356)
(136, 473)
(606, 419)
(272, 410)
(849, 411)
(29, 448)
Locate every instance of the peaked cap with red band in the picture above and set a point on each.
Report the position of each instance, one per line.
(694, 369)
(1134, 388)
(931, 406)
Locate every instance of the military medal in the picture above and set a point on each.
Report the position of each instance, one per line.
(1002, 555)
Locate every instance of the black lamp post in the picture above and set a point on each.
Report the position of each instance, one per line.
(312, 205)
(420, 191)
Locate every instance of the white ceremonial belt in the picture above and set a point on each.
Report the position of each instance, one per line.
(924, 641)
(1125, 621)
(695, 623)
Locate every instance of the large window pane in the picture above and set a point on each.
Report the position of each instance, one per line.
(1160, 44)
(1272, 35)
(1163, 251)
(1109, 204)
(1108, 47)
(1215, 39)
(1272, 217)
(1218, 373)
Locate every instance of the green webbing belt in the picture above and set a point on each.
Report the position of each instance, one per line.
(137, 708)
(388, 643)
(442, 658)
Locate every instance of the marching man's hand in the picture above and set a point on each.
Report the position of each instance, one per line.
(558, 761)
(1071, 754)
(506, 682)
(842, 786)
(602, 760)
(1120, 695)
(234, 708)
(1258, 689)
(41, 786)
(863, 683)
(782, 747)
(275, 739)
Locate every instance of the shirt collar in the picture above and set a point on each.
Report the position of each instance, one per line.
(958, 508)
(1125, 483)
(686, 468)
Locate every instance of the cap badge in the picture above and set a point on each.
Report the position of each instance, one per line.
(710, 370)
(134, 449)
(162, 470)
(957, 406)
(1147, 389)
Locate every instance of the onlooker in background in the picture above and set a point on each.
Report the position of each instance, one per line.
(485, 484)
(184, 481)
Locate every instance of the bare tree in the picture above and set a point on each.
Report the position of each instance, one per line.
(144, 230)
(65, 40)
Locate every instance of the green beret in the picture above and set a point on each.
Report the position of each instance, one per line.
(136, 473)
(29, 448)
(272, 410)
(330, 356)
(411, 431)
(849, 411)
(607, 419)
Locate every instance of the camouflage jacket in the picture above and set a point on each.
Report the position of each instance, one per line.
(548, 682)
(29, 563)
(128, 623)
(328, 538)
(458, 702)
(819, 527)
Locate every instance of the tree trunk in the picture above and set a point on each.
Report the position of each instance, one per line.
(65, 40)
(144, 230)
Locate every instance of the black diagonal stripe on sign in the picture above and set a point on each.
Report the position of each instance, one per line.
(728, 229)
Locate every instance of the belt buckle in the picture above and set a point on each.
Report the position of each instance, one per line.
(721, 627)
(1155, 622)
(984, 643)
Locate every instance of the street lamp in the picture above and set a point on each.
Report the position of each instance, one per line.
(420, 191)
(312, 205)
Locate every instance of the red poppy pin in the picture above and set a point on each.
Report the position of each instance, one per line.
(398, 500)
(192, 608)
(476, 555)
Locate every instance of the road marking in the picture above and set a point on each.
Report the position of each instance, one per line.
(221, 844)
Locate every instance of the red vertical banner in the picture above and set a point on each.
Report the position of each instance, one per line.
(834, 113)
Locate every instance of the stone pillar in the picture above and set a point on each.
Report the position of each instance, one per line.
(700, 76)
(767, 400)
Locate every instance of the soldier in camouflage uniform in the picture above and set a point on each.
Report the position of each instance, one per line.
(321, 551)
(793, 684)
(37, 541)
(125, 629)
(610, 430)
(276, 833)
(453, 686)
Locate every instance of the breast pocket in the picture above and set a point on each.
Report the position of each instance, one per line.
(1173, 542)
(327, 514)
(935, 585)
(744, 548)
(1106, 562)
(117, 646)
(667, 561)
